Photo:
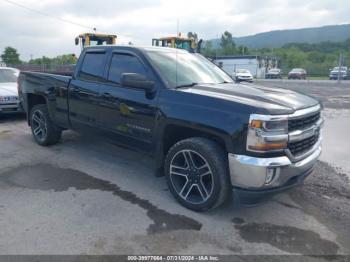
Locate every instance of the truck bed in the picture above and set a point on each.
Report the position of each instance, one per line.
(52, 87)
(40, 79)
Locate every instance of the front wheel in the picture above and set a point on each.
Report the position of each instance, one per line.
(44, 131)
(196, 170)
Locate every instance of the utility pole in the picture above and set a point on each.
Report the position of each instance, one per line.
(339, 67)
(216, 48)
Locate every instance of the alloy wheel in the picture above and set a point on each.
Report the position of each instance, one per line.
(191, 176)
(39, 125)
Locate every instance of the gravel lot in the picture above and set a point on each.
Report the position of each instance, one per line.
(84, 196)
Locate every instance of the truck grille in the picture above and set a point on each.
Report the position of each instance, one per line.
(303, 123)
(301, 147)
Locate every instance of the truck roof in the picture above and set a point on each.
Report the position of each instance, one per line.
(137, 48)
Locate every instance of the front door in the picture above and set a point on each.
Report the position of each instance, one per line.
(84, 92)
(128, 113)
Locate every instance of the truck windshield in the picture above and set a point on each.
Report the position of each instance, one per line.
(7, 76)
(341, 69)
(182, 68)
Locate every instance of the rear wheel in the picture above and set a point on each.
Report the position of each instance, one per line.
(44, 131)
(197, 174)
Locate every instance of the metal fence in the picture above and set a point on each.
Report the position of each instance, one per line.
(256, 68)
(45, 68)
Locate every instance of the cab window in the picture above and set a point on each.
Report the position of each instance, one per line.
(124, 63)
(93, 67)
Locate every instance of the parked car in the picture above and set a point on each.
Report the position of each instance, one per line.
(297, 73)
(242, 75)
(274, 73)
(9, 102)
(343, 72)
(212, 138)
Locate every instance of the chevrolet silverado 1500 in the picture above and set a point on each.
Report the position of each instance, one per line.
(212, 138)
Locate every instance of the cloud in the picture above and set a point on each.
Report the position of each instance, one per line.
(140, 21)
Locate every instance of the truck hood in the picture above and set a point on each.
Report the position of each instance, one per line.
(8, 89)
(272, 100)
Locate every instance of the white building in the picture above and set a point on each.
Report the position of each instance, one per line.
(2, 63)
(257, 65)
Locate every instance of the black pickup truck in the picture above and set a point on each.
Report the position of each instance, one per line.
(213, 139)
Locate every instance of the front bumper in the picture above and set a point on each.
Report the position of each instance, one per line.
(254, 178)
(296, 76)
(11, 108)
(273, 76)
(248, 79)
(335, 77)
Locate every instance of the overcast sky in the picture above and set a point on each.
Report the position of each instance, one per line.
(140, 21)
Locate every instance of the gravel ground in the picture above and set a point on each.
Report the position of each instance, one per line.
(326, 194)
(330, 93)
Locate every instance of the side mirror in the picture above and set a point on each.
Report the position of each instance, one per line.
(138, 81)
(77, 41)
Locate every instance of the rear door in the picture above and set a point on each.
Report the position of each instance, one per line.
(84, 90)
(128, 113)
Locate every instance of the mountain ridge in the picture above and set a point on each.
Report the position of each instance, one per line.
(278, 38)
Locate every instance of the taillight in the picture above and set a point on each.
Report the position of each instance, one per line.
(19, 88)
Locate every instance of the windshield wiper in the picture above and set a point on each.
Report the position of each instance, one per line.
(186, 85)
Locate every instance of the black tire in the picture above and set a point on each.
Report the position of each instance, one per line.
(202, 187)
(44, 130)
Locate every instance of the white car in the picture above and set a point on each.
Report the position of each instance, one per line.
(9, 102)
(242, 75)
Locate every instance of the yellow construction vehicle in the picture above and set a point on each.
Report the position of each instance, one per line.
(189, 44)
(93, 39)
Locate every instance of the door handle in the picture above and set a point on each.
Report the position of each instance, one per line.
(106, 95)
(75, 89)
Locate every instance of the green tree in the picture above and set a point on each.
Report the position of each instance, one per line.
(227, 44)
(243, 50)
(67, 59)
(316, 58)
(10, 56)
(208, 49)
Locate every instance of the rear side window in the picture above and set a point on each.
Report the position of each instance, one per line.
(93, 67)
(121, 64)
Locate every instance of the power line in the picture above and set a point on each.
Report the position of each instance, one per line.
(58, 18)
(48, 15)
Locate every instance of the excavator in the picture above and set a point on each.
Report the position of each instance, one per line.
(92, 39)
(180, 42)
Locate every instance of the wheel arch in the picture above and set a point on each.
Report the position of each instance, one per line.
(31, 101)
(173, 133)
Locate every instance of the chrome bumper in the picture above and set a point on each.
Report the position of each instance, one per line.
(10, 108)
(255, 173)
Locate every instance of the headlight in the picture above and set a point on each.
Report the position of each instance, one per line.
(267, 133)
(8, 98)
